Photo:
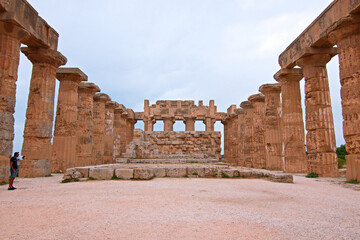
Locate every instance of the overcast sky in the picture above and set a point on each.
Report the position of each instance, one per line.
(176, 49)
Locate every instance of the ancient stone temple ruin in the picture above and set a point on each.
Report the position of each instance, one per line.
(265, 131)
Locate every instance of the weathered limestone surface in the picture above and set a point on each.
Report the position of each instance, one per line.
(101, 173)
(10, 37)
(347, 38)
(162, 145)
(292, 121)
(40, 111)
(109, 132)
(241, 136)
(320, 137)
(124, 173)
(100, 100)
(64, 142)
(85, 123)
(272, 125)
(230, 136)
(248, 150)
(258, 102)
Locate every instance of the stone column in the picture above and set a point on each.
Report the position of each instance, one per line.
(100, 100)
(85, 123)
(10, 37)
(117, 131)
(320, 137)
(272, 125)
(209, 123)
(292, 121)
(248, 150)
(347, 38)
(189, 123)
(40, 111)
(64, 142)
(258, 102)
(168, 124)
(109, 132)
(225, 122)
(233, 138)
(241, 137)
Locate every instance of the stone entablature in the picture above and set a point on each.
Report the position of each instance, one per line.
(165, 145)
(170, 111)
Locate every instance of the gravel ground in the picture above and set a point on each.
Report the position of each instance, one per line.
(164, 208)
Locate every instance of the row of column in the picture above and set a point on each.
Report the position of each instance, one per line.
(90, 129)
(188, 121)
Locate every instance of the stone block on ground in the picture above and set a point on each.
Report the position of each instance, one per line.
(176, 172)
(124, 173)
(281, 178)
(195, 171)
(210, 172)
(101, 173)
(159, 171)
(84, 171)
(231, 173)
(143, 174)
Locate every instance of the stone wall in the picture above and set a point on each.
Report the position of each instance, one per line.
(158, 145)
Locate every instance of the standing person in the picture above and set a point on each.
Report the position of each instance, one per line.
(13, 170)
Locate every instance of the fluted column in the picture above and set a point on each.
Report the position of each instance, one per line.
(292, 121)
(64, 142)
(100, 100)
(40, 111)
(209, 124)
(117, 131)
(225, 122)
(233, 138)
(85, 123)
(169, 124)
(248, 133)
(241, 136)
(272, 125)
(189, 123)
(347, 38)
(320, 137)
(258, 102)
(10, 37)
(109, 132)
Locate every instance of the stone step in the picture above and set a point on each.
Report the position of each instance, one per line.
(147, 172)
(167, 161)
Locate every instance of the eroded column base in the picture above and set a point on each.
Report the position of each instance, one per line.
(35, 168)
(353, 167)
(323, 164)
(4, 169)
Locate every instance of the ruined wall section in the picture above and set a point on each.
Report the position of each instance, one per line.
(168, 145)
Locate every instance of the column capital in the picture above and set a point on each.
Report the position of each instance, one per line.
(259, 97)
(43, 55)
(88, 87)
(70, 74)
(347, 27)
(246, 105)
(289, 74)
(270, 88)
(101, 97)
(111, 104)
(317, 57)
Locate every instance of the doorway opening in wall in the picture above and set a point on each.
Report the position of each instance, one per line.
(179, 126)
(159, 125)
(200, 126)
(139, 125)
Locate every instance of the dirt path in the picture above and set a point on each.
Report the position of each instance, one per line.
(43, 208)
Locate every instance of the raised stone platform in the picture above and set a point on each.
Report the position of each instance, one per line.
(168, 161)
(150, 171)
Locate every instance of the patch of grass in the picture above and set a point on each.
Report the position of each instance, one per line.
(341, 162)
(263, 168)
(114, 177)
(186, 176)
(224, 175)
(312, 175)
(91, 178)
(66, 181)
(3, 183)
(76, 180)
(242, 176)
(215, 175)
(195, 174)
(194, 162)
(354, 181)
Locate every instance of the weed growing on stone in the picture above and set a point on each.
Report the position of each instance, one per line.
(186, 176)
(3, 183)
(114, 177)
(312, 175)
(224, 175)
(66, 181)
(354, 181)
(91, 178)
(194, 162)
(195, 174)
